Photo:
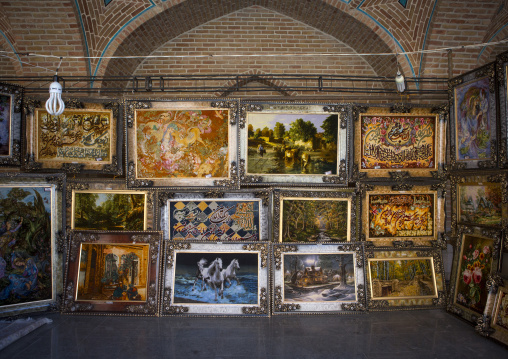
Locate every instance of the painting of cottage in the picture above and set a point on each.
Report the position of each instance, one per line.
(480, 203)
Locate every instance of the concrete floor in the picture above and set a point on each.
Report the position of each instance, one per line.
(379, 335)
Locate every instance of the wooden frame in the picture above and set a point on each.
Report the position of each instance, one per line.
(86, 137)
(337, 220)
(240, 215)
(124, 278)
(308, 154)
(420, 285)
(32, 242)
(10, 124)
(317, 279)
(184, 290)
(182, 143)
(473, 124)
(502, 81)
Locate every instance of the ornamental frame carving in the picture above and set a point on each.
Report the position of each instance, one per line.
(11, 97)
(497, 304)
(86, 138)
(135, 295)
(292, 296)
(468, 149)
(186, 254)
(155, 138)
(502, 83)
(48, 216)
(293, 163)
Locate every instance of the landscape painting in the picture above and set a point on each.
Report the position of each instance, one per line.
(83, 136)
(214, 220)
(474, 129)
(216, 278)
(113, 272)
(5, 124)
(25, 245)
(284, 143)
(398, 142)
(315, 220)
(182, 143)
(319, 277)
(475, 266)
(481, 203)
(109, 210)
(397, 215)
(402, 278)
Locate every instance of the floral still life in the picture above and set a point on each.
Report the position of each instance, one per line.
(476, 262)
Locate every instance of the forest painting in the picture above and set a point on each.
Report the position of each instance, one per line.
(314, 220)
(25, 245)
(402, 278)
(319, 277)
(281, 143)
(5, 124)
(112, 211)
(481, 203)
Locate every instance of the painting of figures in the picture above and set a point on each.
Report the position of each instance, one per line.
(402, 278)
(113, 272)
(217, 220)
(474, 129)
(281, 143)
(319, 277)
(83, 136)
(474, 267)
(314, 220)
(182, 143)
(5, 124)
(481, 203)
(25, 244)
(216, 278)
(396, 215)
(109, 210)
(389, 142)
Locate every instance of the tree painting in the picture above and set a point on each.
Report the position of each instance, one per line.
(109, 211)
(315, 220)
(481, 204)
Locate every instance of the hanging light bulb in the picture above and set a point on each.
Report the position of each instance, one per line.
(54, 105)
(400, 81)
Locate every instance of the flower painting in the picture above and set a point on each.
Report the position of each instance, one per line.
(5, 124)
(398, 142)
(182, 143)
(475, 266)
(481, 203)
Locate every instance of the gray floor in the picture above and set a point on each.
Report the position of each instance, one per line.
(407, 334)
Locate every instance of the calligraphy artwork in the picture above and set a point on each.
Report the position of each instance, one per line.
(82, 136)
(216, 220)
(285, 143)
(5, 124)
(474, 130)
(481, 203)
(315, 220)
(395, 215)
(182, 143)
(25, 244)
(397, 142)
(113, 272)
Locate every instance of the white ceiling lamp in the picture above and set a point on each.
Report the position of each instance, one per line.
(400, 81)
(54, 105)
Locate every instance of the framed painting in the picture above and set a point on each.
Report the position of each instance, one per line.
(106, 205)
(309, 216)
(473, 125)
(477, 258)
(113, 272)
(480, 200)
(232, 216)
(318, 279)
(497, 311)
(304, 143)
(31, 242)
(403, 216)
(386, 142)
(10, 124)
(86, 137)
(405, 279)
(501, 71)
(203, 278)
(182, 143)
